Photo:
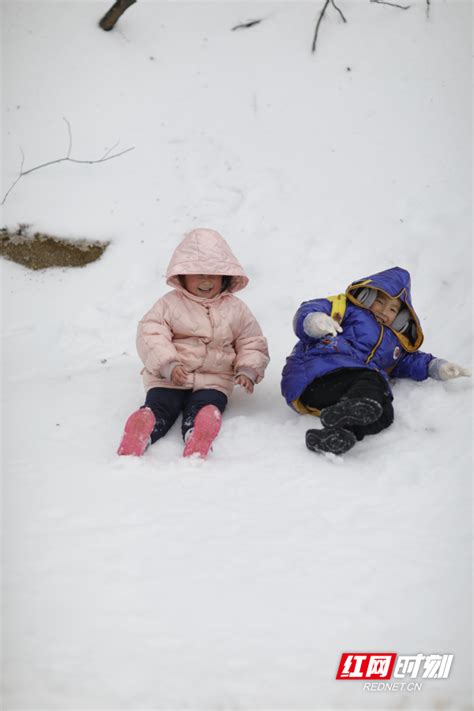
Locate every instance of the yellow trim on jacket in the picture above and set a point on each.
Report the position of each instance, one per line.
(304, 410)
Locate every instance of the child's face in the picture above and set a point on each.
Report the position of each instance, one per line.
(385, 308)
(207, 285)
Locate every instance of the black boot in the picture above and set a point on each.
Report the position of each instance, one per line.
(334, 439)
(351, 411)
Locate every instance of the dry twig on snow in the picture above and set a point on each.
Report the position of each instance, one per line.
(339, 10)
(244, 25)
(378, 2)
(321, 15)
(68, 158)
(116, 11)
(392, 4)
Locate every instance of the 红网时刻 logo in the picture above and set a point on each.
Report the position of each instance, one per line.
(388, 671)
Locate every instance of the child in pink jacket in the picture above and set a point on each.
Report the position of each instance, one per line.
(196, 342)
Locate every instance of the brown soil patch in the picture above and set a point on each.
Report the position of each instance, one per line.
(41, 251)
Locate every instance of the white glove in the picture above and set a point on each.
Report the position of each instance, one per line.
(443, 370)
(318, 324)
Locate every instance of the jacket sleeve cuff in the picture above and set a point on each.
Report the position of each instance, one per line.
(248, 372)
(434, 367)
(167, 369)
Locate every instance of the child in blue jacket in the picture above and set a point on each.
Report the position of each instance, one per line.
(349, 345)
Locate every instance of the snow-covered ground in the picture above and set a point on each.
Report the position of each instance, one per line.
(234, 583)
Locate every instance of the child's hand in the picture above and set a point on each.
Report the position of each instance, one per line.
(447, 371)
(245, 382)
(179, 375)
(318, 324)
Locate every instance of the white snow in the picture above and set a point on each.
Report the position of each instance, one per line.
(234, 583)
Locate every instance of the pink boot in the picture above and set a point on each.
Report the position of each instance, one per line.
(138, 429)
(206, 428)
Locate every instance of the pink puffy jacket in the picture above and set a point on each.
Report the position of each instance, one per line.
(214, 339)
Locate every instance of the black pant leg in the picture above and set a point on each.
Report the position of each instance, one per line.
(197, 400)
(369, 383)
(352, 383)
(166, 404)
(372, 385)
(329, 388)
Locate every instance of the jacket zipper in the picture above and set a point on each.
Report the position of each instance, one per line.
(379, 341)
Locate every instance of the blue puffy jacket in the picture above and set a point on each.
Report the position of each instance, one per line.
(363, 343)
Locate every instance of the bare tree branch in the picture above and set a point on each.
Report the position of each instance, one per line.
(15, 181)
(392, 4)
(109, 150)
(67, 158)
(338, 9)
(321, 15)
(116, 11)
(341, 14)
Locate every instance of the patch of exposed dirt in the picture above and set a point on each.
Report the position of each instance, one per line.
(41, 251)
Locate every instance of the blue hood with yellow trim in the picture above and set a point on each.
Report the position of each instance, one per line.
(363, 343)
(394, 282)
